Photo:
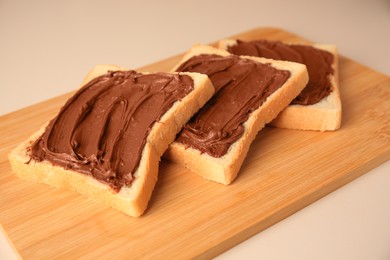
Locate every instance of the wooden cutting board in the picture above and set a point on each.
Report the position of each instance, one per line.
(189, 217)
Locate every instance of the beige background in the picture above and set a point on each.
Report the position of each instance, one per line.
(46, 48)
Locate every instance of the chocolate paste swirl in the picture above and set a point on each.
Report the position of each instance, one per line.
(243, 85)
(102, 130)
(318, 63)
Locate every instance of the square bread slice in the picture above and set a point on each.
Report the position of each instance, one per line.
(132, 198)
(325, 114)
(223, 169)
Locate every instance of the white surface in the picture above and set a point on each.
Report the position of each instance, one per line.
(350, 223)
(6, 251)
(47, 47)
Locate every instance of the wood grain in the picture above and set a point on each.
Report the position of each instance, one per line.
(189, 217)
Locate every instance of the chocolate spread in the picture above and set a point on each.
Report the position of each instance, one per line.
(242, 85)
(102, 130)
(318, 64)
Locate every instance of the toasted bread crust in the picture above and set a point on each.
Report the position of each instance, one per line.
(323, 116)
(224, 169)
(131, 200)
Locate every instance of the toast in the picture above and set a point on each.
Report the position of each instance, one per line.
(323, 115)
(223, 168)
(132, 196)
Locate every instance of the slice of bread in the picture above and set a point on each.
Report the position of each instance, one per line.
(131, 199)
(224, 169)
(324, 115)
